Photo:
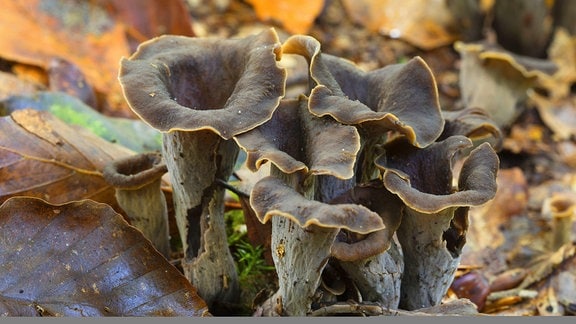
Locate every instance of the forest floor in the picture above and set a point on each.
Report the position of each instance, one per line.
(520, 253)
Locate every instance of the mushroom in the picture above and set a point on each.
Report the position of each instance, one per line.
(303, 231)
(200, 92)
(399, 97)
(474, 123)
(496, 80)
(306, 142)
(137, 180)
(312, 160)
(435, 218)
(560, 207)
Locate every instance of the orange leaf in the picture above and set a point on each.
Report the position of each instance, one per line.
(296, 16)
(93, 35)
(77, 32)
(422, 23)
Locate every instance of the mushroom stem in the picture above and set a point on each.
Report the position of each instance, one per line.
(137, 180)
(196, 160)
(429, 266)
(299, 254)
(374, 263)
(561, 208)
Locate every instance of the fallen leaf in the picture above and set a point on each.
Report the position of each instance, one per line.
(147, 19)
(296, 16)
(558, 107)
(491, 220)
(64, 76)
(12, 85)
(43, 157)
(424, 24)
(544, 265)
(79, 32)
(133, 134)
(92, 35)
(83, 259)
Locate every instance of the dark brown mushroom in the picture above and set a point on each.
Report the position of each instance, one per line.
(303, 231)
(435, 220)
(137, 180)
(307, 144)
(312, 161)
(400, 97)
(354, 246)
(200, 92)
(474, 123)
(296, 141)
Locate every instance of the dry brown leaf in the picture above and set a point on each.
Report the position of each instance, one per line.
(149, 19)
(83, 259)
(422, 23)
(488, 222)
(43, 157)
(92, 35)
(79, 32)
(558, 114)
(296, 16)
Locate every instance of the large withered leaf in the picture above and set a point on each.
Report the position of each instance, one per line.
(83, 259)
(43, 157)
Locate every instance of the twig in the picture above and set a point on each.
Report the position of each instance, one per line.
(232, 188)
(457, 307)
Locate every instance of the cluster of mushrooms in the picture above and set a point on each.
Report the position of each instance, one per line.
(370, 182)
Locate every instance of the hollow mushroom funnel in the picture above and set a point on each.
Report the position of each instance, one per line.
(303, 148)
(137, 180)
(401, 98)
(200, 93)
(435, 220)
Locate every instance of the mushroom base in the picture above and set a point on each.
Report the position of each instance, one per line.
(378, 278)
(429, 266)
(300, 255)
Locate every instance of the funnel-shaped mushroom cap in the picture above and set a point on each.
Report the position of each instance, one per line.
(227, 86)
(496, 80)
(422, 178)
(272, 197)
(135, 171)
(474, 123)
(401, 97)
(295, 140)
